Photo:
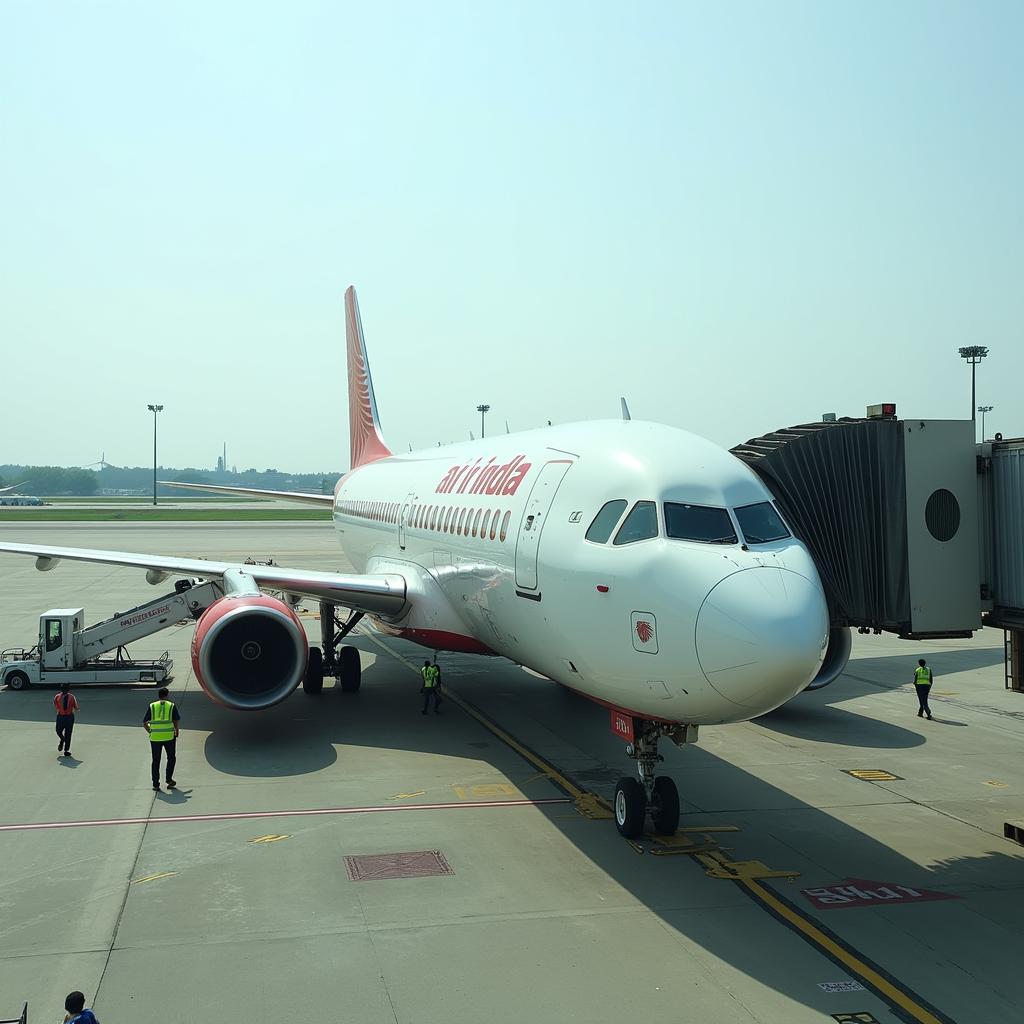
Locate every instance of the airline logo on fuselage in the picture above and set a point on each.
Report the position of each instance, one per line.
(488, 478)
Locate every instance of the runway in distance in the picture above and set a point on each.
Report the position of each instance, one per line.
(640, 565)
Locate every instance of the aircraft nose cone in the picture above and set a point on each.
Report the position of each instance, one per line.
(761, 636)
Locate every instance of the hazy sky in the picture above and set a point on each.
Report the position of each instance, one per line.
(738, 215)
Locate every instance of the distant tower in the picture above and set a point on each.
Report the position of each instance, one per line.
(220, 464)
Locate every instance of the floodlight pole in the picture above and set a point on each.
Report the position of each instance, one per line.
(154, 409)
(984, 409)
(974, 355)
(483, 410)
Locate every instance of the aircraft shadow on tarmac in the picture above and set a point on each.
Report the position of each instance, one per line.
(303, 735)
(815, 716)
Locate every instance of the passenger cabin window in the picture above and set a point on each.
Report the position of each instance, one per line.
(504, 527)
(604, 522)
(760, 523)
(698, 522)
(640, 524)
(54, 636)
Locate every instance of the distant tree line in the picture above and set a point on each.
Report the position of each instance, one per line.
(49, 480)
(56, 480)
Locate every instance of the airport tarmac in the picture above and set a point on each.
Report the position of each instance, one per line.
(234, 898)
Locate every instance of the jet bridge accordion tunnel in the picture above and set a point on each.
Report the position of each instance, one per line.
(889, 511)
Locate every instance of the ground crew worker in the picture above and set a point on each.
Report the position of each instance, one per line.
(65, 704)
(923, 683)
(161, 722)
(431, 686)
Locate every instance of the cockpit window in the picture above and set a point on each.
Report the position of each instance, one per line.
(640, 524)
(605, 520)
(760, 523)
(698, 522)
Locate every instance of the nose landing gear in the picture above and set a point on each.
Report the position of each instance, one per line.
(655, 794)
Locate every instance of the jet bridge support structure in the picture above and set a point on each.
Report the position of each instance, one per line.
(1001, 548)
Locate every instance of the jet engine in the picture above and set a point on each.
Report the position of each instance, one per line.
(840, 643)
(249, 652)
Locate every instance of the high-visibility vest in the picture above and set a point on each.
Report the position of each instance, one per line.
(161, 721)
(922, 676)
(430, 674)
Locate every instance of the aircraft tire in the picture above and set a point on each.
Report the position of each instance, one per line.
(665, 809)
(313, 679)
(630, 807)
(349, 669)
(17, 681)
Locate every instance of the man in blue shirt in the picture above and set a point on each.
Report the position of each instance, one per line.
(76, 1011)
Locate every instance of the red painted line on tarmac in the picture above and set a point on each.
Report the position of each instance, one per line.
(312, 812)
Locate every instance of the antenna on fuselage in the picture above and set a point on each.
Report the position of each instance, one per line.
(507, 431)
(625, 409)
(471, 437)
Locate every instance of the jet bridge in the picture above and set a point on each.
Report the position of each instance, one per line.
(1001, 550)
(889, 510)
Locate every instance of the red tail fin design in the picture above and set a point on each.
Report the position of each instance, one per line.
(365, 439)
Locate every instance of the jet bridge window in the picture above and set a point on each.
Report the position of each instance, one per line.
(698, 522)
(604, 522)
(760, 523)
(640, 524)
(54, 634)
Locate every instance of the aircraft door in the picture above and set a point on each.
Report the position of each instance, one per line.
(403, 519)
(532, 525)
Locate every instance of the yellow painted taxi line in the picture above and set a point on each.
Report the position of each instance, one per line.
(901, 998)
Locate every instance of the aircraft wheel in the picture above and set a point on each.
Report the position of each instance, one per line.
(349, 669)
(17, 681)
(313, 680)
(665, 806)
(630, 807)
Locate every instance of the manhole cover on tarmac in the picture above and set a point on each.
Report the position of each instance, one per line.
(397, 865)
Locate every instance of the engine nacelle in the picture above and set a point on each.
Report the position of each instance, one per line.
(840, 643)
(249, 652)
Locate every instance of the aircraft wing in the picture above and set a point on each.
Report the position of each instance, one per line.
(383, 594)
(323, 500)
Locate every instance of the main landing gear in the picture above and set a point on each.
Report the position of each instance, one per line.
(657, 795)
(334, 658)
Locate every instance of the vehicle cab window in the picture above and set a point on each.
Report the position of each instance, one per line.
(699, 522)
(54, 635)
(640, 524)
(604, 522)
(760, 523)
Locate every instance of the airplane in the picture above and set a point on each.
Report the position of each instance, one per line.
(8, 497)
(637, 564)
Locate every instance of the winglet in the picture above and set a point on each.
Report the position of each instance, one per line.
(365, 441)
(625, 409)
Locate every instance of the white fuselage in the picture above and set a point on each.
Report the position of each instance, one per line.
(669, 629)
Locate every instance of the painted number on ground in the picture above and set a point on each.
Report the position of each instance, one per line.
(840, 986)
(855, 1018)
(860, 892)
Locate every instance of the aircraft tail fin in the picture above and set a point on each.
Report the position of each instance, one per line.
(365, 440)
